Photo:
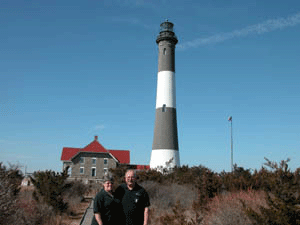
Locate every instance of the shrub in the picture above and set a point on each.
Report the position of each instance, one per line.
(165, 196)
(150, 175)
(74, 195)
(167, 200)
(282, 198)
(75, 189)
(238, 179)
(50, 187)
(227, 209)
(208, 184)
(178, 217)
(10, 180)
(34, 213)
(279, 205)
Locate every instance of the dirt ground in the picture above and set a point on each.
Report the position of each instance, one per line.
(78, 214)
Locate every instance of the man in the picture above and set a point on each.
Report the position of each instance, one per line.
(134, 200)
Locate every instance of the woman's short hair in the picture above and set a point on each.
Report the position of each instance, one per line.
(108, 178)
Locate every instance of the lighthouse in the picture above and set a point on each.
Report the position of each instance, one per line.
(165, 151)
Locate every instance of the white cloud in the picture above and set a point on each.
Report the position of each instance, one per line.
(10, 156)
(261, 28)
(98, 127)
(131, 21)
(131, 3)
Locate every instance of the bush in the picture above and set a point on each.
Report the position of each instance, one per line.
(50, 187)
(165, 196)
(227, 209)
(74, 195)
(265, 196)
(75, 189)
(10, 181)
(167, 200)
(282, 198)
(179, 216)
(238, 179)
(209, 185)
(34, 213)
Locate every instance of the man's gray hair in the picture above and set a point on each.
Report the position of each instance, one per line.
(134, 172)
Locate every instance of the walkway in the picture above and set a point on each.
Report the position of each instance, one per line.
(88, 215)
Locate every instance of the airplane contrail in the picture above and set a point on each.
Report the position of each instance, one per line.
(265, 27)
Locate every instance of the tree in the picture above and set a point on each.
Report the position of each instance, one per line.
(49, 188)
(10, 181)
(282, 198)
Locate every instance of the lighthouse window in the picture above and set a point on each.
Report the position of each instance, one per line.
(164, 108)
(165, 51)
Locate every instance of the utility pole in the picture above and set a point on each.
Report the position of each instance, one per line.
(231, 142)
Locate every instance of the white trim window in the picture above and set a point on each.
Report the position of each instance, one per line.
(105, 161)
(70, 171)
(105, 170)
(81, 170)
(93, 171)
(94, 161)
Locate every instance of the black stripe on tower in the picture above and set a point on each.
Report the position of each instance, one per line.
(165, 129)
(166, 56)
(166, 41)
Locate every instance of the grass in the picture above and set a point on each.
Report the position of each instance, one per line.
(228, 209)
(34, 213)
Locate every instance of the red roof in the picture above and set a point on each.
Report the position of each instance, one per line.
(142, 167)
(94, 146)
(123, 156)
(68, 153)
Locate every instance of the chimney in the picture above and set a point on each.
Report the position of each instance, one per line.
(96, 138)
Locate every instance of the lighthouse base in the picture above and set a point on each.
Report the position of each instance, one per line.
(164, 159)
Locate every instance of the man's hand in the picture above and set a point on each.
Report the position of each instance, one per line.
(146, 216)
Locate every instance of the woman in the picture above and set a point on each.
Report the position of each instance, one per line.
(106, 207)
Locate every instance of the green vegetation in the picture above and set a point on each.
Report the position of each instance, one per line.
(187, 196)
(283, 200)
(10, 181)
(269, 196)
(50, 187)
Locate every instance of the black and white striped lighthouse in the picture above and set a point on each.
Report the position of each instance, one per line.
(165, 151)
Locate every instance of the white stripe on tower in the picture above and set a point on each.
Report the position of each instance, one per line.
(165, 152)
(166, 89)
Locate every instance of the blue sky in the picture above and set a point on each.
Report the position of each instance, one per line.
(70, 70)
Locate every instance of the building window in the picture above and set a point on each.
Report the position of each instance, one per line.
(70, 171)
(105, 161)
(81, 170)
(94, 161)
(81, 160)
(165, 51)
(105, 170)
(93, 171)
